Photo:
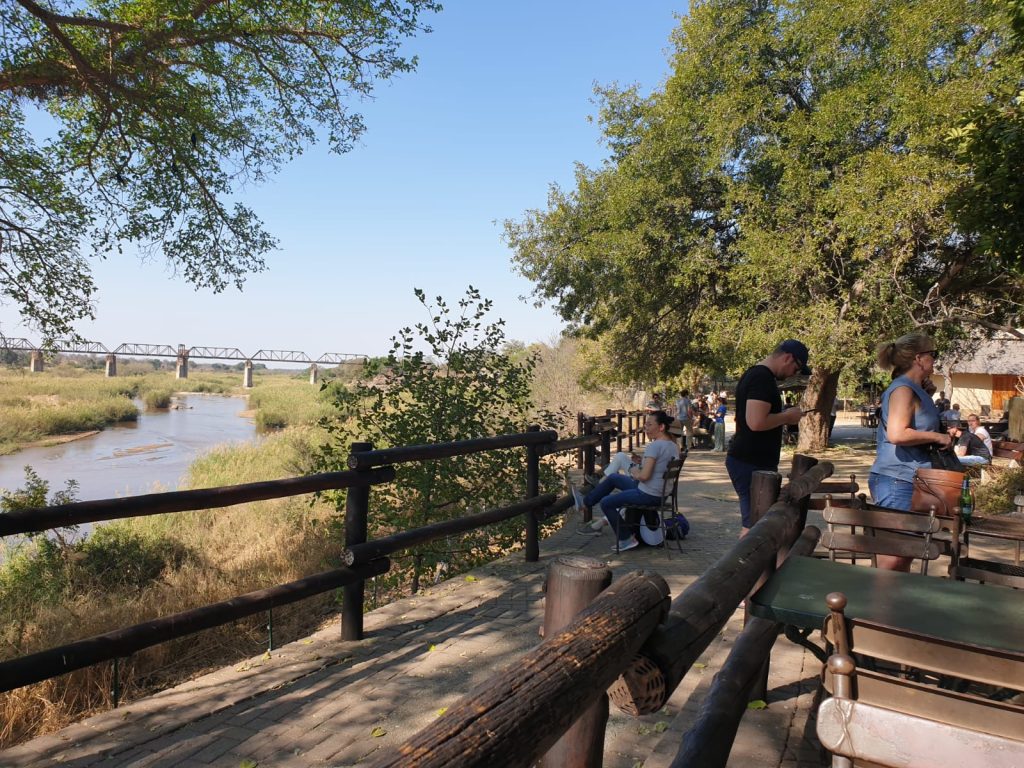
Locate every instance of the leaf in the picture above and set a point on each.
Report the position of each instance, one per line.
(757, 704)
(471, 578)
(644, 730)
(432, 647)
(700, 665)
(248, 763)
(660, 727)
(441, 711)
(377, 732)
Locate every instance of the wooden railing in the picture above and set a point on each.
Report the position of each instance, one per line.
(632, 639)
(363, 559)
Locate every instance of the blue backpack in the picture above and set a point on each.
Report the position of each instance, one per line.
(676, 527)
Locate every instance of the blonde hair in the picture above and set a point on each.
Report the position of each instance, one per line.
(899, 355)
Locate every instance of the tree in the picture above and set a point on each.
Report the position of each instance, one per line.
(164, 108)
(990, 142)
(792, 178)
(448, 379)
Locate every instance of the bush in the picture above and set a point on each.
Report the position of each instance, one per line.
(157, 398)
(996, 496)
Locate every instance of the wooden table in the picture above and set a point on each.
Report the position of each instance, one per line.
(979, 615)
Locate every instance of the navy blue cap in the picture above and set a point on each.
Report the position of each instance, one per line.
(799, 352)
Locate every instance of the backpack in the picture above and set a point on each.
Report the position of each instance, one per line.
(677, 527)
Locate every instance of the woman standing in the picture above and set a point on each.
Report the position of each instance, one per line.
(720, 426)
(908, 425)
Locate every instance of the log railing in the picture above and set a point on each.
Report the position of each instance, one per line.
(363, 559)
(513, 719)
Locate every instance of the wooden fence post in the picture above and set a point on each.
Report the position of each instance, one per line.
(580, 430)
(618, 431)
(588, 452)
(606, 440)
(532, 491)
(629, 429)
(764, 491)
(357, 510)
(573, 582)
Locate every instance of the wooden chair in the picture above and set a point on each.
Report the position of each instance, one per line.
(879, 719)
(669, 506)
(883, 533)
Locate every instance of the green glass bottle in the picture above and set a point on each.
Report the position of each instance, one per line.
(966, 500)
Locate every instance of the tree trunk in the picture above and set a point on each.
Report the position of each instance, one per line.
(821, 393)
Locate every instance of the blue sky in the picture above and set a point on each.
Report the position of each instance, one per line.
(496, 112)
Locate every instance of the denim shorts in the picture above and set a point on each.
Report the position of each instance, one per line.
(890, 492)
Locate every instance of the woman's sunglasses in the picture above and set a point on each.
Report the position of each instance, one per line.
(933, 352)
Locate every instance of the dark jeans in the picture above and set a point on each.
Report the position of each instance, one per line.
(629, 495)
(741, 473)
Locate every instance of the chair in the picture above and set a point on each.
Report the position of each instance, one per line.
(879, 719)
(669, 507)
(885, 532)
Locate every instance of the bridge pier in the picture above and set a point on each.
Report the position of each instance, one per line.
(247, 374)
(181, 371)
(314, 374)
(35, 363)
(111, 366)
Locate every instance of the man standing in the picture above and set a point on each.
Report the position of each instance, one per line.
(760, 419)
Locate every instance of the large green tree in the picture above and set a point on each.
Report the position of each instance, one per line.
(162, 110)
(792, 178)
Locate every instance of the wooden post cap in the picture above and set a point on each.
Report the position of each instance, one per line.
(840, 664)
(836, 601)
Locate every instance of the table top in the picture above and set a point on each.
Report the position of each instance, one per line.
(981, 615)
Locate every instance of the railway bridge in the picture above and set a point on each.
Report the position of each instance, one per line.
(181, 353)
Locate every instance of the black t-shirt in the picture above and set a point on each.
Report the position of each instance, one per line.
(758, 448)
(975, 445)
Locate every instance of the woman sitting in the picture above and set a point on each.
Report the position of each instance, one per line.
(642, 487)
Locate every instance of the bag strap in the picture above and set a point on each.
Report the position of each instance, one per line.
(933, 492)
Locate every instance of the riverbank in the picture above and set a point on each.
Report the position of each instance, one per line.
(65, 404)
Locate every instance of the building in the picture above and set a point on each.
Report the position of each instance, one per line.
(984, 378)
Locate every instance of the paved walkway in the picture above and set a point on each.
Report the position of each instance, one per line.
(321, 701)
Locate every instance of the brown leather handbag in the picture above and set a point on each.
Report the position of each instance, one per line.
(939, 488)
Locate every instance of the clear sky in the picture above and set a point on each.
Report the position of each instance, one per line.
(496, 111)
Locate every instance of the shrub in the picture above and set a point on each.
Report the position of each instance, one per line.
(996, 496)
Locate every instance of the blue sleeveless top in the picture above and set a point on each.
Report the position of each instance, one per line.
(900, 461)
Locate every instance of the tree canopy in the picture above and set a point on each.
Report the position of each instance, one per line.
(793, 177)
(163, 109)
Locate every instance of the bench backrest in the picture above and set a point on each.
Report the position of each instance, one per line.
(1007, 449)
(942, 729)
(881, 533)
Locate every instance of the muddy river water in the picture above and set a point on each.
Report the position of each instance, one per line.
(151, 455)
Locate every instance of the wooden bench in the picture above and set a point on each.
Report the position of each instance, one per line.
(1007, 449)
(935, 707)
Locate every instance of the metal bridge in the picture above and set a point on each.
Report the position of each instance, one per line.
(194, 353)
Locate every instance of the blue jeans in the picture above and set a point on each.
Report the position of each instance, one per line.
(742, 474)
(969, 460)
(890, 492)
(629, 495)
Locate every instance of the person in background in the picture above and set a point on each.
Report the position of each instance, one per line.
(684, 412)
(942, 403)
(974, 425)
(968, 447)
(720, 426)
(951, 415)
(642, 487)
(908, 425)
(760, 419)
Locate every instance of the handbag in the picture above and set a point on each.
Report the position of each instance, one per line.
(945, 458)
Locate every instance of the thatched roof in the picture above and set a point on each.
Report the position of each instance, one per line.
(993, 356)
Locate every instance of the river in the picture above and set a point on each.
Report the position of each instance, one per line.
(150, 455)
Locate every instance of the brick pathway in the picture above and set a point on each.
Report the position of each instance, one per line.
(321, 701)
